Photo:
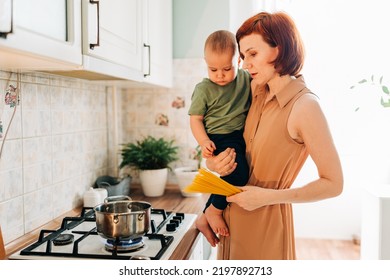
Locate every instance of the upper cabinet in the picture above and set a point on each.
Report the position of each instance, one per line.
(32, 30)
(112, 38)
(126, 40)
(157, 34)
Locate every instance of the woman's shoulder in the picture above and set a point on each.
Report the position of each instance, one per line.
(307, 99)
(307, 108)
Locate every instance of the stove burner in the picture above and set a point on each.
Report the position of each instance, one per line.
(124, 246)
(63, 239)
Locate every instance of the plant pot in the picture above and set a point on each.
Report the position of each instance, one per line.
(153, 182)
(185, 176)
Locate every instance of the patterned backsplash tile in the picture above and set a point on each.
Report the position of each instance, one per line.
(60, 139)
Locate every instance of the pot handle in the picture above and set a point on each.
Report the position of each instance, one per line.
(117, 198)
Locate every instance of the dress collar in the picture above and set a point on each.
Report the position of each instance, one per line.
(287, 93)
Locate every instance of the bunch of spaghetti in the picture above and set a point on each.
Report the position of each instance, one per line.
(207, 182)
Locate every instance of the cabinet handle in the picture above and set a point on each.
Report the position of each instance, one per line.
(97, 44)
(148, 46)
(4, 33)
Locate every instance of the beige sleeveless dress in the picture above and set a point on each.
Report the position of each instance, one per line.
(275, 160)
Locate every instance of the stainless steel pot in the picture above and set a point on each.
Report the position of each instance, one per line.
(123, 220)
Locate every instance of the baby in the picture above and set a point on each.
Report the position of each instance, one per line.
(217, 116)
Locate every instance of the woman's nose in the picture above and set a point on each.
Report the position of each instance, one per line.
(245, 65)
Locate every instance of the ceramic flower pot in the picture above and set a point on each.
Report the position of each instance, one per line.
(153, 182)
(185, 176)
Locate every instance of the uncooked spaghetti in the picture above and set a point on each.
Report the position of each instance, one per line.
(207, 182)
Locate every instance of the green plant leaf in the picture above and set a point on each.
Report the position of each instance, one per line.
(362, 81)
(352, 87)
(385, 89)
(380, 80)
(149, 153)
(385, 104)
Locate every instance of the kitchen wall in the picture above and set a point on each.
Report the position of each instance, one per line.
(55, 148)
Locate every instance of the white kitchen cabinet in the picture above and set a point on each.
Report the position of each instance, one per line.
(128, 40)
(375, 240)
(157, 35)
(112, 38)
(40, 34)
(202, 250)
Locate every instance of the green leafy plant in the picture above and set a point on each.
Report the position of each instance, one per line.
(376, 83)
(149, 153)
(197, 155)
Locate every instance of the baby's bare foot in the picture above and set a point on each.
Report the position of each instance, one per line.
(216, 221)
(203, 226)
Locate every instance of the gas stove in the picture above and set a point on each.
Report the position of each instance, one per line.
(77, 238)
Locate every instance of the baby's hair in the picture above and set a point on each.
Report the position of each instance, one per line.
(221, 41)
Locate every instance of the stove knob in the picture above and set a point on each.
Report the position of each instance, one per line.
(179, 218)
(171, 227)
(174, 221)
(180, 215)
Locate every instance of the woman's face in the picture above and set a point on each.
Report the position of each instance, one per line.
(257, 55)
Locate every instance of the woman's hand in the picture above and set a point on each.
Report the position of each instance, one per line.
(224, 163)
(253, 197)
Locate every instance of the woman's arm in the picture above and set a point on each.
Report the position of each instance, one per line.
(307, 124)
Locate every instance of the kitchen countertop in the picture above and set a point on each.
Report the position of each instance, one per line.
(172, 200)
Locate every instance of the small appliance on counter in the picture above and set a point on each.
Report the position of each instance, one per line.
(93, 197)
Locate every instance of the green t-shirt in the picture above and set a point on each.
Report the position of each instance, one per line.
(224, 108)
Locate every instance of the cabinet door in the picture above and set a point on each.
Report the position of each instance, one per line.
(112, 37)
(158, 42)
(42, 34)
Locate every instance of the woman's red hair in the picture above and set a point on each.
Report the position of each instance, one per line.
(278, 30)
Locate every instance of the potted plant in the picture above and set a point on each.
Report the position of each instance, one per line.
(185, 175)
(151, 156)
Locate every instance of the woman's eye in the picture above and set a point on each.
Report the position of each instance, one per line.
(228, 69)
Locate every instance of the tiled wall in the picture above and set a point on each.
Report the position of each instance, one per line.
(163, 112)
(55, 148)
(61, 138)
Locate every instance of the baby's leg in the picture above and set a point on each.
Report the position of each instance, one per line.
(215, 219)
(203, 226)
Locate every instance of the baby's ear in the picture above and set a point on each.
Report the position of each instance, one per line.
(239, 62)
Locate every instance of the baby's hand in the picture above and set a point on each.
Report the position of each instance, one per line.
(208, 148)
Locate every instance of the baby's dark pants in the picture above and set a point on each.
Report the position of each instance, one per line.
(240, 176)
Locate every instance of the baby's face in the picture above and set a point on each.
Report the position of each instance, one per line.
(221, 67)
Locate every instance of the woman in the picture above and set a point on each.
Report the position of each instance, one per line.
(284, 125)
